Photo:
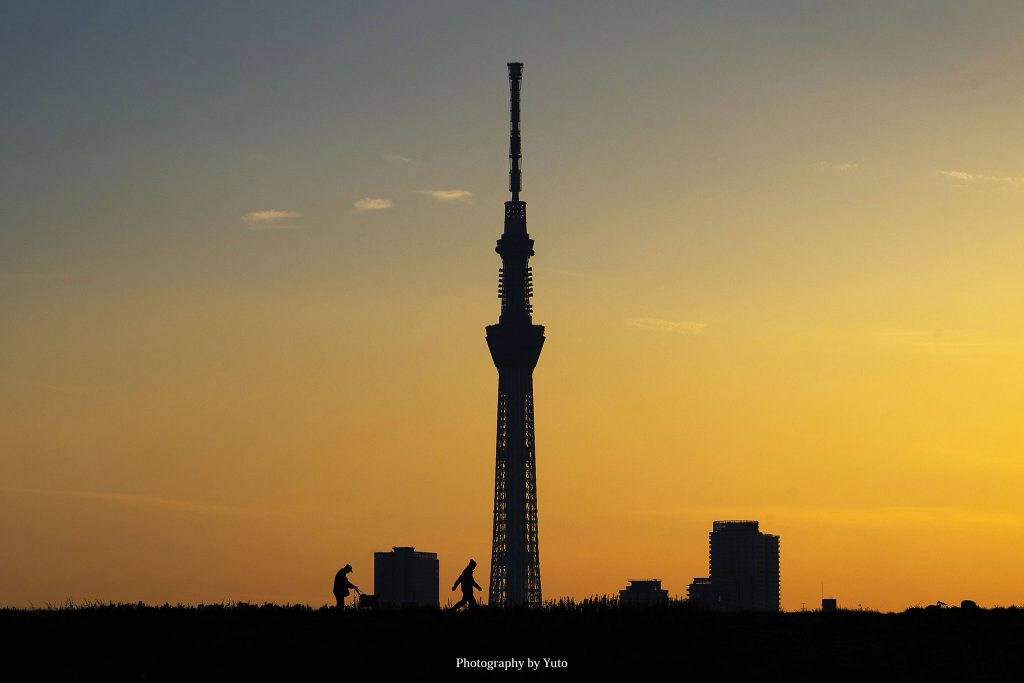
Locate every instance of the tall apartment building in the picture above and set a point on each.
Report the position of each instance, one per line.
(744, 569)
(406, 578)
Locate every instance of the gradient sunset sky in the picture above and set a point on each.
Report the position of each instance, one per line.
(246, 261)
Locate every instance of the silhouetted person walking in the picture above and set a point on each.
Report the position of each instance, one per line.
(342, 584)
(468, 584)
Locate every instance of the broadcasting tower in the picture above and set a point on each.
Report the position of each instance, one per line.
(515, 344)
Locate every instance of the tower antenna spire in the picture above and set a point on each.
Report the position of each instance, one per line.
(515, 151)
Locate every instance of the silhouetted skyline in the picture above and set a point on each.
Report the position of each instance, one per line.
(245, 263)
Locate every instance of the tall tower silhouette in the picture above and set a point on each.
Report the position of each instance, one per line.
(515, 344)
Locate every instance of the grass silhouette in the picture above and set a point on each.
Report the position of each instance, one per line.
(93, 640)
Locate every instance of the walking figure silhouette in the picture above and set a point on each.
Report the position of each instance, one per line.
(468, 584)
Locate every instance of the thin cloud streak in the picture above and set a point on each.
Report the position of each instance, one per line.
(370, 204)
(27, 276)
(858, 517)
(447, 195)
(982, 179)
(398, 159)
(136, 500)
(75, 389)
(659, 325)
(842, 167)
(885, 339)
(270, 216)
(561, 271)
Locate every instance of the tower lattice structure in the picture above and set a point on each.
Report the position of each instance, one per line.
(515, 344)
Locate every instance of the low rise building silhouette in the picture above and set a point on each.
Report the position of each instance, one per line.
(744, 569)
(829, 605)
(406, 578)
(643, 592)
(701, 591)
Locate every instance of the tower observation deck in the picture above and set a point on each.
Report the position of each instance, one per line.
(515, 344)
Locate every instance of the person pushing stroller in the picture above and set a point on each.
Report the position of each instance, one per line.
(342, 585)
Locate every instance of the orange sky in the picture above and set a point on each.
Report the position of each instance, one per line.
(778, 258)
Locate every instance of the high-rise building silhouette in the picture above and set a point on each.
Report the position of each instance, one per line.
(515, 344)
(406, 577)
(744, 569)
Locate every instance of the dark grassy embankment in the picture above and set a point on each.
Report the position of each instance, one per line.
(229, 642)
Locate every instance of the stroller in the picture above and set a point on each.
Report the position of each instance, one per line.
(366, 601)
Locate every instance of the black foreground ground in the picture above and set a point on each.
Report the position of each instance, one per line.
(241, 641)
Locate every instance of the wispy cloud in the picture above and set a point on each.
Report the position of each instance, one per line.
(157, 502)
(842, 166)
(398, 159)
(982, 179)
(894, 339)
(659, 325)
(75, 389)
(877, 517)
(31, 276)
(370, 204)
(950, 341)
(448, 195)
(269, 217)
(943, 340)
(560, 271)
